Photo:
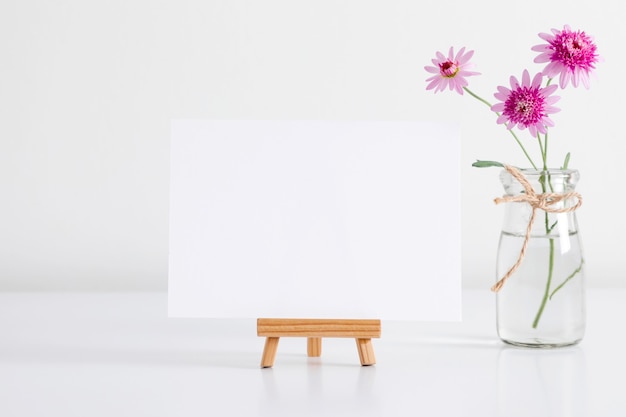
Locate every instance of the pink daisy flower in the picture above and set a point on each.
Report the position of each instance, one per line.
(526, 104)
(572, 54)
(450, 71)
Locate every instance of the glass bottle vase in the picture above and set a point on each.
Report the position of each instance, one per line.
(542, 303)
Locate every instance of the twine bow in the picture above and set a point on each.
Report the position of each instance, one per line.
(543, 201)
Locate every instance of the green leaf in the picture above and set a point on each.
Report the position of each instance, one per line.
(566, 163)
(487, 164)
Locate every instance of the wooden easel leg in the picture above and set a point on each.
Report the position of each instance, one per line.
(269, 352)
(314, 347)
(366, 351)
(314, 330)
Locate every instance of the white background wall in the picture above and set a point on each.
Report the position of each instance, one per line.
(88, 88)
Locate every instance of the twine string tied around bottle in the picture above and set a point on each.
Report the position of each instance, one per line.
(544, 201)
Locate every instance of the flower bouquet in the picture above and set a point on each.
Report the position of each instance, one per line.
(539, 254)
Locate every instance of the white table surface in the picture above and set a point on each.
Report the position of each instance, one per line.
(119, 354)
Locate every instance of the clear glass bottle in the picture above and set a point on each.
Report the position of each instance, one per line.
(542, 304)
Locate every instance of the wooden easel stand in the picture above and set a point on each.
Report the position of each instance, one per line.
(314, 330)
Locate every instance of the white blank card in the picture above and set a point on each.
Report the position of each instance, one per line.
(315, 219)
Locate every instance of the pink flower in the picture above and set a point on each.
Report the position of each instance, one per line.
(526, 105)
(570, 54)
(450, 71)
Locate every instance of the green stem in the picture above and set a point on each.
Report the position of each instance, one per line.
(576, 271)
(482, 100)
(545, 176)
(543, 147)
(548, 283)
(477, 97)
(543, 153)
(547, 294)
